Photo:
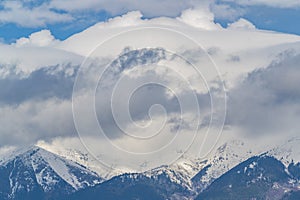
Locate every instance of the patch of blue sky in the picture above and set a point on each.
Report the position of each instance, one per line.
(285, 20)
(10, 32)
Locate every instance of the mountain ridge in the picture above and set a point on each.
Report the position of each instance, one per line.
(37, 172)
(51, 176)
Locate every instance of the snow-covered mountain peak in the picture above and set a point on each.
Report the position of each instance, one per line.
(19, 152)
(288, 152)
(129, 58)
(36, 170)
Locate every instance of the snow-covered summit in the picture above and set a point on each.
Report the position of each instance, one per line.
(288, 152)
(37, 171)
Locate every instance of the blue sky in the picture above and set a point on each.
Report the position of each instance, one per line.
(269, 18)
(63, 18)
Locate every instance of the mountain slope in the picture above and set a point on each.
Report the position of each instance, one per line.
(37, 173)
(135, 186)
(232, 172)
(259, 177)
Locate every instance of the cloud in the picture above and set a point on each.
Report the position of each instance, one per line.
(36, 16)
(128, 19)
(267, 101)
(152, 8)
(37, 74)
(56, 81)
(41, 113)
(33, 120)
(43, 13)
(30, 54)
(200, 18)
(41, 39)
(6, 151)
(136, 81)
(273, 3)
(241, 24)
(225, 11)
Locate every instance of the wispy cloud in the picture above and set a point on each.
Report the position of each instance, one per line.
(273, 3)
(36, 16)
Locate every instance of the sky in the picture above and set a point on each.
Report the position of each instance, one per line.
(19, 18)
(147, 82)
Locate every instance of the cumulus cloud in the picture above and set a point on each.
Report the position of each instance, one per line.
(241, 24)
(41, 39)
(43, 13)
(201, 18)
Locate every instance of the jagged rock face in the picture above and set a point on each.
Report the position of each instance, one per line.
(131, 58)
(39, 174)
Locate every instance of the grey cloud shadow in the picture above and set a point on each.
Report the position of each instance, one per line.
(268, 100)
(40, 84)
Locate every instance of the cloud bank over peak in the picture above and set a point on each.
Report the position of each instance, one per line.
(38, 72)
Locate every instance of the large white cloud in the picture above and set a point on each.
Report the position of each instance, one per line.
(39, 72)
(37, 63)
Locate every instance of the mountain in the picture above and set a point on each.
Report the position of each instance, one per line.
(132, 58)
(133, 186)
(232, 172)
(287, 152)
(259, 177)
(35, 173)
(165, 182)
(224, 158)
(273, 174)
